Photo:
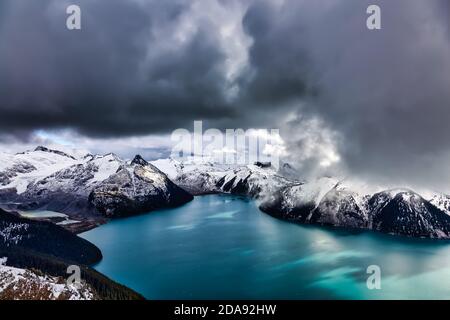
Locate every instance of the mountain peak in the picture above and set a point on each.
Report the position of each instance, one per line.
(263, 164)
(61, 153)
(139, 160)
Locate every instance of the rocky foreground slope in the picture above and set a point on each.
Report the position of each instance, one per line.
(34, 259)
(23, 284)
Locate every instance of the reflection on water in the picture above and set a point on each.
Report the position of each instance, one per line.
(221, 246)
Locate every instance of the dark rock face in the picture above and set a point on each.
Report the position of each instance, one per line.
(100, 186)
(139, 160)
(44, 149)
(263, 164)
(409, 214)
(135, 189)
(8, 195)
(45, 238)
(275, 208)
(400, 212)
(235, 185)
(289, 172)
(14, 170)
(339, 208)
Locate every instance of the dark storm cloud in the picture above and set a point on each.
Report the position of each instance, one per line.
(386, 92)
(380, 98)
(114, 76)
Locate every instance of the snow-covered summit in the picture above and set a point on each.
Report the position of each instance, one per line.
(17, 171)
(47, 179)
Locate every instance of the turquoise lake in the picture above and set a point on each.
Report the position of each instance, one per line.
(223, 247)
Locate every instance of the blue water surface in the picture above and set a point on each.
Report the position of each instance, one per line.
(223, 247)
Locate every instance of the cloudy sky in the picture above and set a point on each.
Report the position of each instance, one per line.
(373, 104)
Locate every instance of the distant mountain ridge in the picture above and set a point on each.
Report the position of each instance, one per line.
(87, 186)
(323, 201)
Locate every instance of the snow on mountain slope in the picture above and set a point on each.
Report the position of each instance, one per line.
(341, 206)
(395, 211)
(19, 170)
(254, 180)
(203, 176)
(67, 189)
(77, 178)
(71, 151)
(197, 175)
(441, 201)
(136, 187)
(56, 181)
(23, 284)
(171, 167)
(296, 202)
(106, 166)
(307, 193)
(406, 212)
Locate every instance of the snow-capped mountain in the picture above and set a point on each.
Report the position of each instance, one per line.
(297, 202)
(83, 186)
(17, 171)
(197, 175)
(441, 201)
(341, 206)
(46, 179)
(136, 187)
(327, 201)
(407, 213)
(257, 180)
(324, 201)
(203, 176)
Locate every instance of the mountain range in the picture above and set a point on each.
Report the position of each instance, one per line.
(86, 188)
(94, 188)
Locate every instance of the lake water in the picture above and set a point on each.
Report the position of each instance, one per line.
(222, 246)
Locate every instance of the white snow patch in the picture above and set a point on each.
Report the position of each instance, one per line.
(18, 280)
(107, 166)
